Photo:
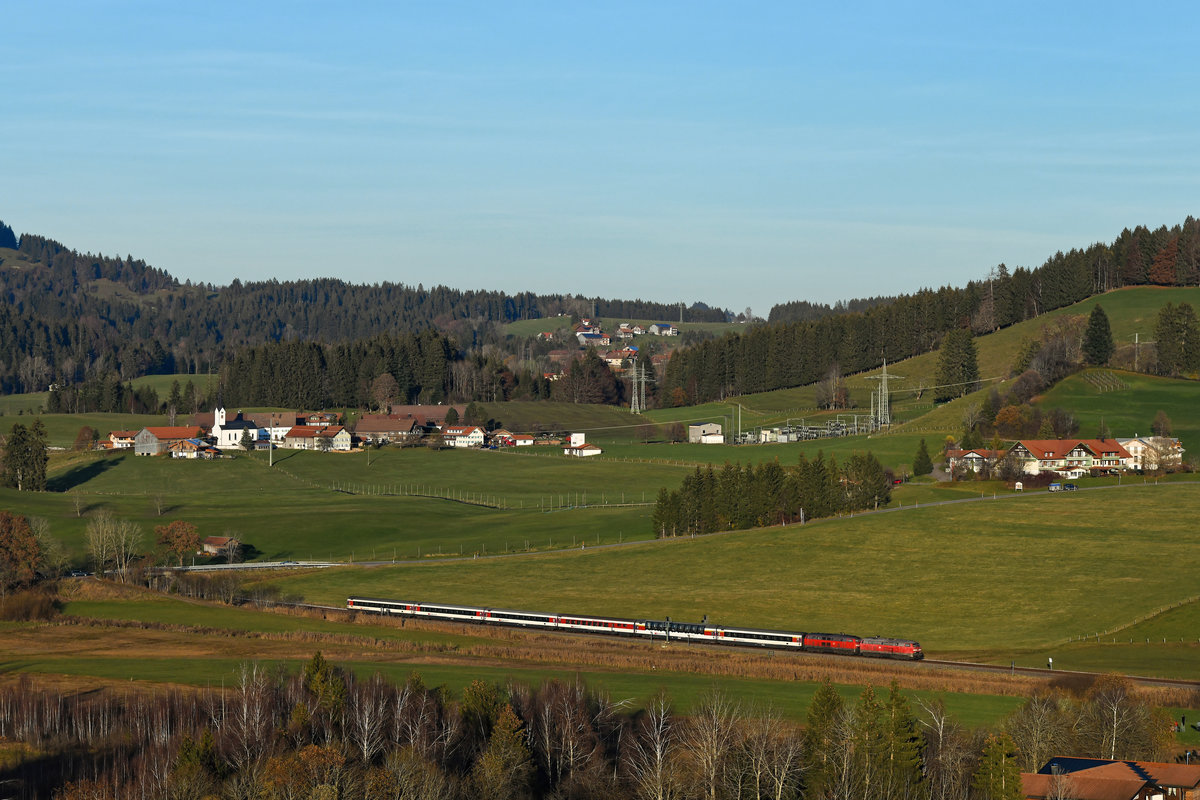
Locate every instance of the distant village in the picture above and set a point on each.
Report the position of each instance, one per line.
(589, 333)
(209, 435)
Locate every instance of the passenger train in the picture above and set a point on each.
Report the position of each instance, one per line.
(870, 646)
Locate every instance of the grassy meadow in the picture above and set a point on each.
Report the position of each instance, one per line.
(1130, 411)
(1016, 573)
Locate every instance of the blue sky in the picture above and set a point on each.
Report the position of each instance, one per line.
(738, 154)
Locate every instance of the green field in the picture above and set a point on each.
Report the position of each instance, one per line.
(1025, 572)
(789, 699)
(202, 620)
(332, 506)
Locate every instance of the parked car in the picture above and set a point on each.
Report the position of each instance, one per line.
(1069, 487)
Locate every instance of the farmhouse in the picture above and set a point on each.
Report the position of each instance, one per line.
(220, 545)
(312, 437)
(383, 428)
(1152, 452)
(426, 415)
(596, 339)
(463, 435)
(976, 459)
(1072, 458)
(121, 440)
(578, 447)
(663, 329)
(192, 448)
(155, 441)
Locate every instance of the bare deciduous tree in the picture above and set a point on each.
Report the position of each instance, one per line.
(650, 755)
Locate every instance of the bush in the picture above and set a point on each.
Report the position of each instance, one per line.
(28, 606)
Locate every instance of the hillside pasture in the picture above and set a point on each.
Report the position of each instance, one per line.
(1016, 572)
(311, 506)
(1129, 411)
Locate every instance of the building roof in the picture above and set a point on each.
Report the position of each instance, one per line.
(385, 423)
(1156, 772)
(174, 432)
(239, 423)
(218, 541)
(123, 434)
(426, 413)
(979, 451)
(1059, 448)
(460, 430)
(1081, 785)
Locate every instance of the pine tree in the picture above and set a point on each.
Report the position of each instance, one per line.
(820, 735)
(922, 463)
(902, 747)
(998, 776)
(958, 366)
(1098, 339)
(24, 460)
(506, 766)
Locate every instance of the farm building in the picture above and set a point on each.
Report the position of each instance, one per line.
(706, 433)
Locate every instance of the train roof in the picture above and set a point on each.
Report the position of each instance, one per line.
(491, 609)
(888, 640)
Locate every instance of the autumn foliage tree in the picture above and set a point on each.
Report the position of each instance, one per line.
(178, 538)
(20, 552)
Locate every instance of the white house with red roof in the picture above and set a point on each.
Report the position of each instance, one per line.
(578, 447)
(317, 437)
(1072, 458)
(121, 440)
(463, 435)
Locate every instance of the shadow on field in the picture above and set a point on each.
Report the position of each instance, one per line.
(79, 475)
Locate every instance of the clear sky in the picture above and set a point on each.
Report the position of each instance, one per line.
(741, 154)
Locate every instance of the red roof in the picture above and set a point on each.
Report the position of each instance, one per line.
(1059, 448)
(460, 430)
(175, 432)
(1081, 785)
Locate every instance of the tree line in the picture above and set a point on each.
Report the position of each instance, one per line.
(800, 352)
(737, 497)
(70, 317)
(325, 732)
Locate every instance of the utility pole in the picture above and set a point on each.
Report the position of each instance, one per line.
(1137, 350)
(639, 379)
(880, 406)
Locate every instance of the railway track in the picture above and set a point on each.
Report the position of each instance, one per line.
(1041, 672)
(927, 663)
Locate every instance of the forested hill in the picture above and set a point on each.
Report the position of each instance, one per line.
(803, 351)
(69, 317)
